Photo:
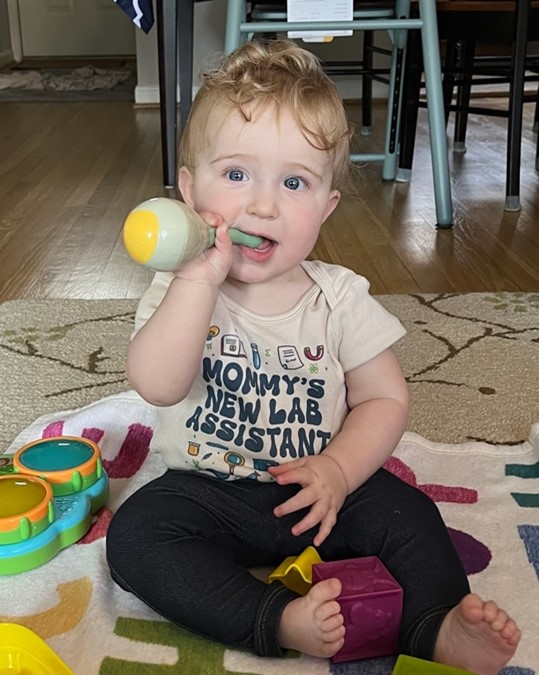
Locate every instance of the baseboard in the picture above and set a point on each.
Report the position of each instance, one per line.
(146, 95)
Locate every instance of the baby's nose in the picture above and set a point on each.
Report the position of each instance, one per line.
(263, 203)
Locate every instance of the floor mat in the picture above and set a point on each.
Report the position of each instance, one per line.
(86, 82)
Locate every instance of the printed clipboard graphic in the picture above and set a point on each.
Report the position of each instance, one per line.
(289, 357)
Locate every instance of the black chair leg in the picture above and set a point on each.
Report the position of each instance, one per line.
(410, 105)
(366, 94)
(168, 59)
(516, 94)
(536, 116)
(397, 96)
(448, 82)
(466, 60)
(186, 16)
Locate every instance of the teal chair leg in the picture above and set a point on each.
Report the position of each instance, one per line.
(235, 15)
(436, 115)
(389, 169)
(398, 38)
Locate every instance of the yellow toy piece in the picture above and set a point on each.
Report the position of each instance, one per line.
(26, 509)
(296, 572)
(24, 653)
(141, 234)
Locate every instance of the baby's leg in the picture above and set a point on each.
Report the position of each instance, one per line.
(402, 526)
(477, 636)
(184, 544)
(313, 624)
(387, 518)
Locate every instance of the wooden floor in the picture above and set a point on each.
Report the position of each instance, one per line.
(70, 172)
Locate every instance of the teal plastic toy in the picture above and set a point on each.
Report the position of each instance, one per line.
(49, 490)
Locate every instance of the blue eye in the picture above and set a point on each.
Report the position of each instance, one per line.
(294, 183)
(236, 175)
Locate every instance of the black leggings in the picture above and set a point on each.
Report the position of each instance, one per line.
(184, 542)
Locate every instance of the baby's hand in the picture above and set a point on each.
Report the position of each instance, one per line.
(324, 489)
(213, 264)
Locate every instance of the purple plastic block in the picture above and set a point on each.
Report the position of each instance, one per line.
(371, 603)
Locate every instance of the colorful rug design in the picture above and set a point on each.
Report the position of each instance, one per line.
(486, 493)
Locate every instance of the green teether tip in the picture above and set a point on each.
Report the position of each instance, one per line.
(243, 239)
(237, 237)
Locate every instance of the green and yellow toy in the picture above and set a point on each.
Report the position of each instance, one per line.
(49, 491)
(163, 234)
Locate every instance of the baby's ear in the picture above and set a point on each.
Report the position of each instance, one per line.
(185, 184)
(333, 200)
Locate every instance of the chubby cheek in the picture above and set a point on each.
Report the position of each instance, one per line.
(214, 201)
(304, 236)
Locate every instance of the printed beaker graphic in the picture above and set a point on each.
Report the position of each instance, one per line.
(193, 448)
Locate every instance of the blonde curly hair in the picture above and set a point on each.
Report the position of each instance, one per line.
(279, 73)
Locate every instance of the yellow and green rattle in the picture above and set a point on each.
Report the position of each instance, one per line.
(163, 233)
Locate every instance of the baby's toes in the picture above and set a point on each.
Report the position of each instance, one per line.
(332, 623)
(499, 621)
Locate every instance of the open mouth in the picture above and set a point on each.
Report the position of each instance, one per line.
(262, 252)
(265, 245)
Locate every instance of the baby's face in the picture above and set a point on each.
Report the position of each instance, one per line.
(265, 178)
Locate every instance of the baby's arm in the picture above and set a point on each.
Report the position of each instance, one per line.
(165, 354)
(377, 396)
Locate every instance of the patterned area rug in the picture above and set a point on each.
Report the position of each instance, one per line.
(472, 363)
(85, 83)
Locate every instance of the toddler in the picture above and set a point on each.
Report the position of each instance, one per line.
(280, 397)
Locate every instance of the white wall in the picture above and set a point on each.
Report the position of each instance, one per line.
(209, 35)
(147, 89)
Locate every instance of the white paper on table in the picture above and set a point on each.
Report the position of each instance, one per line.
(319, 10)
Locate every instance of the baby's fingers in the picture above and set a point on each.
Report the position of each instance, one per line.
(326, 526)
(303, 499)
(281, 469)
(301, 476)
(316, 515)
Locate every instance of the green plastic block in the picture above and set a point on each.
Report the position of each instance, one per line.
(409, 665)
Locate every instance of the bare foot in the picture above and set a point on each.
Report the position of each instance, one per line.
(477, 636)
(313, 624)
